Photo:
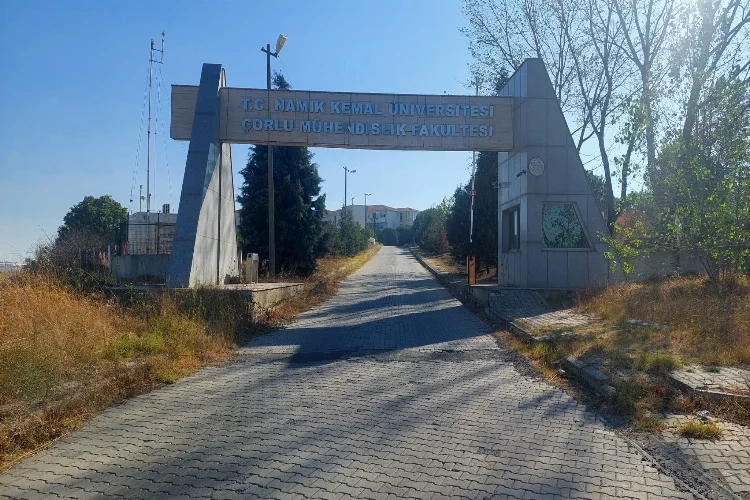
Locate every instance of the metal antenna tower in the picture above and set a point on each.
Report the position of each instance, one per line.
(151, 62)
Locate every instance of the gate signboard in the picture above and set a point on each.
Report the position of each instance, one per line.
(349, 120)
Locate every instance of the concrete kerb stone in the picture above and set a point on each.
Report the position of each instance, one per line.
(578, 369)
(683, 384)
(251, 300)
(589, 374)
(464, 293)
(459, 292)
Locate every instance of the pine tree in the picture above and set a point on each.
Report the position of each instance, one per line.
(485, 210)
(299, 207)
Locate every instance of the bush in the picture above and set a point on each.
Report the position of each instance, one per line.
(405, 236)
(388, 237)
(429, 230)
(700, 430)
(349, 238)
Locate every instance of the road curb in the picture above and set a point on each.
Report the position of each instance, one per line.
(583, 372)
(461, 293)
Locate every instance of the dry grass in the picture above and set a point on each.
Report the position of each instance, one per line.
(320, 286)
(708, 323)
(65, 355)
(541, 356)
(445, 263)
(700, 430)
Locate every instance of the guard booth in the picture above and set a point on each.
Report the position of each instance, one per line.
(548, 218)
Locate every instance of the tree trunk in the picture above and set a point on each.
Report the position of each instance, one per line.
(625, 173)
(609, 194)
(650, 134)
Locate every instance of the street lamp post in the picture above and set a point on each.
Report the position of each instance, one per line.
(366, 195)
(271, 225)
(346, 171)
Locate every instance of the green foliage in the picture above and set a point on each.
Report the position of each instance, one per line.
(702, 185)
(97, 218)
(457, 223)
(279, 82)
(26, 374)
(429, 228)
(700, 430)
(545, 352)
(133, 344)
(298, 207)
(388, 237)
(627, 244)
(405, 235)
(657, 363)
(485, 210)
(598, 189)
(348, 238)
(484, 244)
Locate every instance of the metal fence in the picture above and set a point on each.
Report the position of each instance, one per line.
(141, 238)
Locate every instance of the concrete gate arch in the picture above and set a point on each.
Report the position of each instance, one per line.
(544, 189)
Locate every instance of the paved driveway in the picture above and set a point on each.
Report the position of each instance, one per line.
(390, 389)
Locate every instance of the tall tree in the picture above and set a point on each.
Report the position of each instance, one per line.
(429, 228)
(504, 33)
(706, 184)
(457, 222)
(485, 210)
(713, 47)
(96, 219)
(592, 32)
(645, 26)
(299, 205)
(580, 44)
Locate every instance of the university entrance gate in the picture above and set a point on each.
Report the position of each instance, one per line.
(548, 218)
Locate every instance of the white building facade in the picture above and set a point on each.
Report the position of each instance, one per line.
(377, 216)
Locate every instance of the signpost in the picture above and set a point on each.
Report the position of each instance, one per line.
(349, 120)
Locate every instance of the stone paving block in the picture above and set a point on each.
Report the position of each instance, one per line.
(391, 389)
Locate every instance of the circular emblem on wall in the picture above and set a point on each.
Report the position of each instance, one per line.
(536, 166)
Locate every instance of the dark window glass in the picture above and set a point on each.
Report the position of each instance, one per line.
(561, 227)
(512, 231)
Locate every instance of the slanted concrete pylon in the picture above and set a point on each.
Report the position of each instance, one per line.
(204, 251)
(548, 219)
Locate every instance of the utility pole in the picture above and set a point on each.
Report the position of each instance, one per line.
(271, 224)
(346, 171)
(471, 269)
(473, 192)
(366, 195)
(151, 62)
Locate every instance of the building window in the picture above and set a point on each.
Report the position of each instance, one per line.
(561, 226)
(512, 229)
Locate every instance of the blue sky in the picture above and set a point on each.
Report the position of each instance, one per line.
(74, 75)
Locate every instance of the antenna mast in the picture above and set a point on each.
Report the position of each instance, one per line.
(151, 62)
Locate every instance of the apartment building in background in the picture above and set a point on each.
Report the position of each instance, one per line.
(378, 216)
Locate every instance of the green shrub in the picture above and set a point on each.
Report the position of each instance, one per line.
(388, 237)
(657, 363)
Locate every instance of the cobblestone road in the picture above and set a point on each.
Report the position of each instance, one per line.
(391, 389)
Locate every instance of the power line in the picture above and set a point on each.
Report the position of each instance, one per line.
(138, 146)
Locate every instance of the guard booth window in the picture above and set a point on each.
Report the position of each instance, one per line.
(562, 227)
(512, 229)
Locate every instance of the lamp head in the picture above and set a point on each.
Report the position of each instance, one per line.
(280, 43)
